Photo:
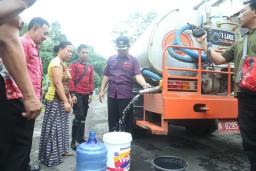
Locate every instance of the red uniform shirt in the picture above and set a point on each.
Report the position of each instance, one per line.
(86, 85)
(34, 63)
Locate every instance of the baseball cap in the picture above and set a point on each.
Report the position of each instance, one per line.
(122, 43)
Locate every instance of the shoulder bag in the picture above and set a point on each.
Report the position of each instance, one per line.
(83, 74)
(246, 77)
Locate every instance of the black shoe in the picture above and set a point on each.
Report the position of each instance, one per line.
(81, 140)
(35, 168)
(73, 146)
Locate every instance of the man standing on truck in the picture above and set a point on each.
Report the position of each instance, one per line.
(119, 73)
(246, 101)
(81, 88)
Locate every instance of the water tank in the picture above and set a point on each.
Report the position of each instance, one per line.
(148, 49)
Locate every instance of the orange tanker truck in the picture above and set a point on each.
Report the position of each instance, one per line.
(188, 89)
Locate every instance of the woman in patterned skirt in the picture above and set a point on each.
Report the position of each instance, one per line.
(54, 141)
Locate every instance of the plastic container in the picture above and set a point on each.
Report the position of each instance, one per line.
(169, 163)
(91, 155)
(118, 145)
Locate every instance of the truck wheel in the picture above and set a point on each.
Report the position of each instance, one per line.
(138, 132)
(201, 126)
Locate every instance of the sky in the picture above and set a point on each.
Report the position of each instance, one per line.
(91, 21)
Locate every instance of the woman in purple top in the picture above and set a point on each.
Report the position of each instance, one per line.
(118, 75)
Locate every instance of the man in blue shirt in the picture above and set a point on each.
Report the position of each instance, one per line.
(118, 75)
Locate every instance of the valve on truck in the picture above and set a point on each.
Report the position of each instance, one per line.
(197, 31)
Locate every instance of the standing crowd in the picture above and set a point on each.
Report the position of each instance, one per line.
(71, 87)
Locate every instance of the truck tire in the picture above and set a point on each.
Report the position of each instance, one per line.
(201, 126)
(138, 132)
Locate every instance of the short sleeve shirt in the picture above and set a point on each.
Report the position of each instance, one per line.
(34, 63)
(235, 52)
(121, 71)
(52, 94)
(11, 89)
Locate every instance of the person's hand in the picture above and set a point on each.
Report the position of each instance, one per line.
(70, 101)
(90, 99)
(202, 38)
(67, 107)
(74, 99)
(147, 85)
(32, 107)
(101, 96)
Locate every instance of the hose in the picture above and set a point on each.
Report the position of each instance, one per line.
(187, 51)
(151, 74)
(151, 90)
(180, 58)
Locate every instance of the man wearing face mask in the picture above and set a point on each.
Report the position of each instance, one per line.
(81, 88)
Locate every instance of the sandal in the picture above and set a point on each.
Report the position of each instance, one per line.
(68, 154)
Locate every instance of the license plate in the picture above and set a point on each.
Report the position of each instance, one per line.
(228, 126)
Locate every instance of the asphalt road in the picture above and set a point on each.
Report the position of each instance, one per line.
(215, 152)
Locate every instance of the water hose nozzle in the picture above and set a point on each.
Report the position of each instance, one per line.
(152, 90)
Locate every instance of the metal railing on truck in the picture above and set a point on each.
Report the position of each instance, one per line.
(189, 83)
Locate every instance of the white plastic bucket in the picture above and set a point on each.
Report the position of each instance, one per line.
(118, 145)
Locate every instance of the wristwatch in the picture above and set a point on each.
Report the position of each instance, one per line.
(209, 48)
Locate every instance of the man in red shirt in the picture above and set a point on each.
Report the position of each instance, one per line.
(38, 30)
(14, 110)
(81, 88)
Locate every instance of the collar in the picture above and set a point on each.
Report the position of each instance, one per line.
(122, 57)
(82, 62)
(33, 43)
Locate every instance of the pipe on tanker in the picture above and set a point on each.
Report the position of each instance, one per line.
(180, 58)
(151, 90)
(178, 42)
(151, 74)
(187, 51)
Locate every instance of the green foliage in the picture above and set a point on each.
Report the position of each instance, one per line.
(56, 34)
(97, 61)
(24, 29)
(97, 80)
(134, 26)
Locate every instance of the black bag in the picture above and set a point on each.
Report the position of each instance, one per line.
(81, 76)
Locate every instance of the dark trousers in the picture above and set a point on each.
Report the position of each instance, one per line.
(117, 121)
(31, 125)
(16, 134)
(80, 109)
(247, 123)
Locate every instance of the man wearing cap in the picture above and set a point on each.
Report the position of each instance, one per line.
(118, 75)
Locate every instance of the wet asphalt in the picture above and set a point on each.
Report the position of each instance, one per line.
(215, 152)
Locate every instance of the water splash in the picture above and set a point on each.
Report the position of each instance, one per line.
(120, 123)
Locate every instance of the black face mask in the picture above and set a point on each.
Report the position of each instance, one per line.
(1, 67)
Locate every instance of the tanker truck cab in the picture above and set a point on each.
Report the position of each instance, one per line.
(193, 92)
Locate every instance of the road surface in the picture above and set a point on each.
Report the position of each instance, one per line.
(216, 152)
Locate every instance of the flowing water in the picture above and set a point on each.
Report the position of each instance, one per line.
(120, 123)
